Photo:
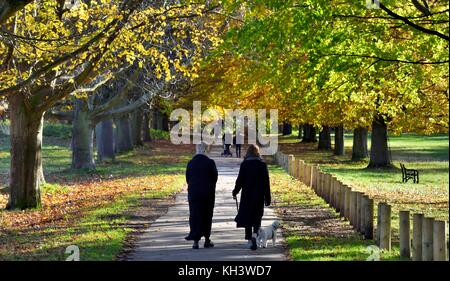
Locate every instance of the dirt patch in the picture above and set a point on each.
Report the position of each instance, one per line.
(141, 217)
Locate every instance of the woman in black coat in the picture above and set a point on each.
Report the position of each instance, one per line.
(201, 177)
(253, 179)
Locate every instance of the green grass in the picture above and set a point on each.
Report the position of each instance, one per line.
(304, 246)
(99, 235)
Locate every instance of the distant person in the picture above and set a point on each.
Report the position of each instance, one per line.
(226, 151)
(201, 177)
(238, 147)
(253, 179)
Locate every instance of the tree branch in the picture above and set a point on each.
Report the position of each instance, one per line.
(387, 60)
(410, 23)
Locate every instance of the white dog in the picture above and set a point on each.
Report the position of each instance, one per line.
(266, 233)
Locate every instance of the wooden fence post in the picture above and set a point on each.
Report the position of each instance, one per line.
(295, 168)
(291, 164)
(309, 175)
(384, 212)
(339, 198)
(427, 239)
(358, 211)
(347, 191)
(417, 237)
(304, 172)
(332, 188)
(314, 177)
(353, 207)
(440, 240)
(405, 240)
(300, 170)
(368, 217)
(362, 213)
(319, 183)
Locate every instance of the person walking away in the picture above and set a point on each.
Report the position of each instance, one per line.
(238, 147)
(253, 180)
(201, 177)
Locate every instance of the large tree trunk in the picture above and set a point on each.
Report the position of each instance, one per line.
(309, 133)
(104, 134)
(287, 129)
(26, 158)
(325, 138)
(123, 134)
(146, 127)
(359, 149)
(300, 128)
(82, 137)
(136, 127)
(379, 151)
(339, 140)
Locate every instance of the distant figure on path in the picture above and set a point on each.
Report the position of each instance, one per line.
(253, 179)
(201, 177)
(238, 147)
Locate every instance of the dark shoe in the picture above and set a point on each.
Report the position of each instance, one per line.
(254, 246)
(208, 244)
(195, 245)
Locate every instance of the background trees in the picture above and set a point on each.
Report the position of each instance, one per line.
(52, 50)
(343, 64)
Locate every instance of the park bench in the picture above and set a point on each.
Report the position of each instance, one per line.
(409, 174)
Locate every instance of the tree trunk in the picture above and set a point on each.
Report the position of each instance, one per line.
(136, 127)
(146, 127)
(325, 138)
(359, 149)
(104, 134)
(26, 158)
(123, 134)
(154, 120)
(339, 140)
(379, 151)
(287, 129)
(309, 133)
(82, 137)
(300, 128)
(165, 122)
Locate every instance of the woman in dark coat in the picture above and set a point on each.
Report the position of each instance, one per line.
(201, 177)
(253, 179)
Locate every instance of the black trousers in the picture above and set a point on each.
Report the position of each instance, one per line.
(200, 218)
(248, 231)
(238, 151)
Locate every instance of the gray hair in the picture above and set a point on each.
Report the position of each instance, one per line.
(201, 148)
